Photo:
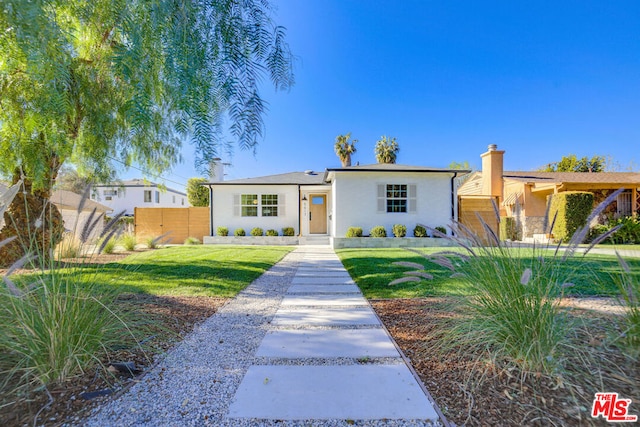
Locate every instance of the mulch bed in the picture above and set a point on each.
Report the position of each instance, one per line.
(479, 393)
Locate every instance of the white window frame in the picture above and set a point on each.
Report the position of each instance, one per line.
(147, 196)
(242, 203)
(410, 198)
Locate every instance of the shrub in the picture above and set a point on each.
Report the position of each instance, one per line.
(441, 229)
(628, 231)
(378, 231)
(108, 245)
(192, 241)
(570, 210)
(399, 230)
(239, 232)
(629, 290)
(419, 231)
(257, 231)
(129, 241)
(288, 231)
(222, 231)
(69, 247)
(509, 229)
(152, 242)
(57, 329)
(354, 232)
(272, 232)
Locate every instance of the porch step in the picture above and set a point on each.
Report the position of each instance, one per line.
(314, 240)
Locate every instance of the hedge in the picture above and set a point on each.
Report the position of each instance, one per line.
(571, 209)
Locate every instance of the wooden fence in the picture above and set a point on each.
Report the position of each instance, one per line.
(470, 207)
(180, 223)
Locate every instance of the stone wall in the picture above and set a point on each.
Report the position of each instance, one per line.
(389, 242)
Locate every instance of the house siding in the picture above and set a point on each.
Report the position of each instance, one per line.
(355, 201)
(222, 208)
(131, 197)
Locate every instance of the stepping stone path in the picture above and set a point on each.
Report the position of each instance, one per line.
(326, 356)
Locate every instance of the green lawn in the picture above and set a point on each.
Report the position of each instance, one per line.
(373, 269)
(220, 271)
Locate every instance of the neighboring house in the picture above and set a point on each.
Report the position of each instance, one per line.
(523, 194)
(328, 203)
(68, 203)
(75, 219)
(137, 193)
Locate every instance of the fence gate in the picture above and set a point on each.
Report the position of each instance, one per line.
(470, 207)
(180, 223)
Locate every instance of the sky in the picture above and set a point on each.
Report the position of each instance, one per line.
(541, 79)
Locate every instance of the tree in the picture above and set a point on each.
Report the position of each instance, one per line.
(344, 148)
(95, 81)
(463, 166)
(571, 163)
(69, 179)
(386, 150)
(196, 193)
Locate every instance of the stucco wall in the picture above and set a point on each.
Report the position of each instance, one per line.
(355, 201)
(129, 198)
(74, 222)
(223, 212)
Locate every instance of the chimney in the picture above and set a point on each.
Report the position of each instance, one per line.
(492, 168)
(216, 170)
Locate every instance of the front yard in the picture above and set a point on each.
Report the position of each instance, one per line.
(473, 381)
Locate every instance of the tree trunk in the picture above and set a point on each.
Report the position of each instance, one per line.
(35, 221)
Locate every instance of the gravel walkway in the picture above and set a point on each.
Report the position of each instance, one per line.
(196, 382)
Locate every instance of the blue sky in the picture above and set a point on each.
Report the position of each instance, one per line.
(541, 79)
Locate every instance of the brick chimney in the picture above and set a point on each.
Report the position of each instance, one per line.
(492, 168)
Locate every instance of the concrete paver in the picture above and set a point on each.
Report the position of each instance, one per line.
(360, 392)
(323, 300)
(300, 343)
(325, 317)
(338, 289)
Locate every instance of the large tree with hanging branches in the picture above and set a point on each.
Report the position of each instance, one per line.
(90, 82)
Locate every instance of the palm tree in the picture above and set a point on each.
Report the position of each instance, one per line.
(386, 150)
(344, 148)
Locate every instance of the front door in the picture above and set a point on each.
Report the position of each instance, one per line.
(318, 214)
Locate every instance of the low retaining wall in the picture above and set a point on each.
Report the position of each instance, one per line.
(251, 240)
(389, 242)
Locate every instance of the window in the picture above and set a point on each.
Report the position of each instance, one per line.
(624, 203)
(157, 197)
(174, 199)
(269, 205)
(183, 201)
(111, 193)
(249, 204)
(147, 196)
(396, 198)
(108, 197)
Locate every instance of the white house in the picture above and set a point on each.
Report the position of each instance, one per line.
(137, 193)
(328, 203)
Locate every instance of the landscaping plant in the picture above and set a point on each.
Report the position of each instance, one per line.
(272, 232)
(288, 231)
(257, 231)
(419, 231)
(192, 241)
(222, 231)
(354, 232)
(129, 242)
(399, 230)
(239, 232)
(378, 231)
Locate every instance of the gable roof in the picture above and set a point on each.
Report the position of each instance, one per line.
(291, 178)
(64, 199)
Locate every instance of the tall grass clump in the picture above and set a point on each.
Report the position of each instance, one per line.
(629, 295)
(514, 310)
(69, 247)
(109, 245)
(55, 329)
(55, 322)
(129, 242)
